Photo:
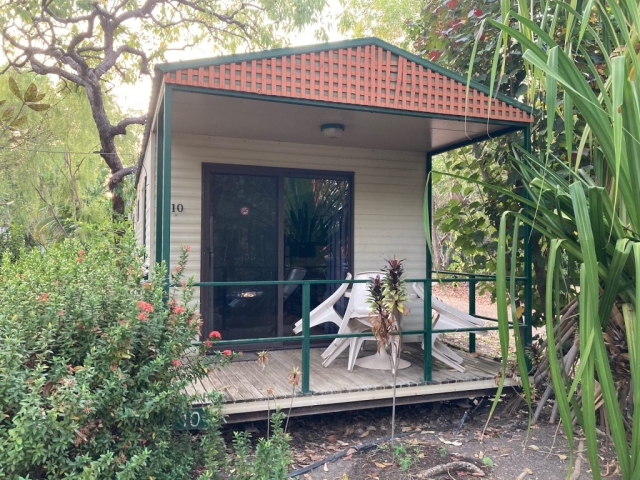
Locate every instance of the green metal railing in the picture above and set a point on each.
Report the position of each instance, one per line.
(427, 330)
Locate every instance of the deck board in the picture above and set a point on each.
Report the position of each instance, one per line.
(245, 383)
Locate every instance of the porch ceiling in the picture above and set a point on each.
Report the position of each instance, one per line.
(227, 116)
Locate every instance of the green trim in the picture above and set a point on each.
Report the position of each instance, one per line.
(332, 336)
(348, 106)
(484, 137)
(358, 42)
(166, 177)
(306, 336)
(159, 183)
(472, 310)
(426, 314)
(267, 283)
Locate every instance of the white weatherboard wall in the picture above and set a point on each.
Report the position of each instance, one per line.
(388, 195)
(142, 215)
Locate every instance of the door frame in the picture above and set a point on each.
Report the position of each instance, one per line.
(208, 169)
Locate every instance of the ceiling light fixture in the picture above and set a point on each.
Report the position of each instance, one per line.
(332, 130)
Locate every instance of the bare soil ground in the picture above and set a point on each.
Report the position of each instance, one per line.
(428, 439)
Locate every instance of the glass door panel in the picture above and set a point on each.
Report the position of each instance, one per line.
(244, 247)
(316, 243)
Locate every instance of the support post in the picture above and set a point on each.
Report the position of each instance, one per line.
(159, 184)
(426, 324)
(472, 310)
(306, 335)
(528, 282)
(166, 181)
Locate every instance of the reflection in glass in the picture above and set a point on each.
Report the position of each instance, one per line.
(316, 241)
(244, 244)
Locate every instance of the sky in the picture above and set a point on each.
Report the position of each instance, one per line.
(135, 98)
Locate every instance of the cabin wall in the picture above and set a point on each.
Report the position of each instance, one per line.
(388, 195)
(144, 208)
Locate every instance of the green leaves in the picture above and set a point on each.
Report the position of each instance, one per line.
(12, 118)
(8, 114)
(586, 201)
(15, 89)
(90, 361)
(31, 95)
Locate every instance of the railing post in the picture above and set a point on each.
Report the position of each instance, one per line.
(427, 327)
(472, 310)
(306, 340)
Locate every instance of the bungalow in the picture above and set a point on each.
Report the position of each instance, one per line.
(300, 165)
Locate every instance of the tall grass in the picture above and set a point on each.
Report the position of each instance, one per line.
(586, 200)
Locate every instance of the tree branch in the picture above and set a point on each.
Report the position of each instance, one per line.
(121, 127)
(51, 208)
(111, 58)
(118, 176)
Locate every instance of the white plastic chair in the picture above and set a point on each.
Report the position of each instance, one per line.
(455, 316)
(448, 317)
(355, 320)
(325, 312)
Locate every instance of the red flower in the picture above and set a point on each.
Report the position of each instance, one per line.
(477, 12)
(452, 4)
(208, 343)
(226, 352)
(145, 306)
(143, 317)
(215, 334)
(186, 248)
(176, 363)
(43, 297)
(434, 55)
(178, 309)
(81, 252)
(79, 259)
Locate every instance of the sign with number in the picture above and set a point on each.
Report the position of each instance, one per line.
(193, 420)
(177, 207)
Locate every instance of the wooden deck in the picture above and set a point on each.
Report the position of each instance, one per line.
(245, 383)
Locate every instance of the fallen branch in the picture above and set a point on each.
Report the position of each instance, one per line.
(578, 464)
(447, 467)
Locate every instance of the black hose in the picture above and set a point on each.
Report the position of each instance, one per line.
(336, 456)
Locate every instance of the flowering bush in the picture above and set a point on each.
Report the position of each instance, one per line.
(94, 363)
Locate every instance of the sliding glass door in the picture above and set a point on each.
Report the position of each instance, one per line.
(243, 246)
(316, 240)
(271, 224)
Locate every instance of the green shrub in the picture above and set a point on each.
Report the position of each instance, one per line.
(12, 241)
(270, 460)
(94, 362)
